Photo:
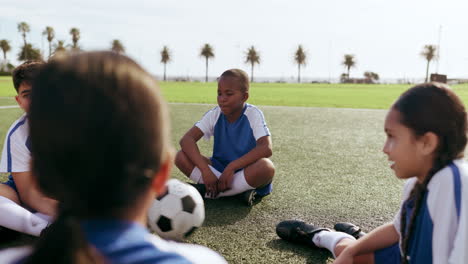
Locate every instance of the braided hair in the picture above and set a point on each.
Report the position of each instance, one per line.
(431, 107)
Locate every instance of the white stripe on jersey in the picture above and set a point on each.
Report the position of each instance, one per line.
(442, 210)
(194, 253)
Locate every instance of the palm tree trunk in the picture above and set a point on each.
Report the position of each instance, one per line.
(299, 73)
(251, 74)
(427, 70)
(164, 71)
(50, 48)
(348, 72)
(24, 39)
(4, 55)
(206, 74)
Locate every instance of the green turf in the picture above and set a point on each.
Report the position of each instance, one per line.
(329, 168)
(368, 96)
(7, 101)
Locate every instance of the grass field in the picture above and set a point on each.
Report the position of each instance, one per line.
(367, 96)
(329, 168)
(329, 163)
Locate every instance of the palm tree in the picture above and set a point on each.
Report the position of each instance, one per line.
(23, 28)
(371, 77)
(28, 52)
(252, 57)
(50, 33)
(5, 46)
(165, 58)
(349, 62)
(59, 47)
(117, 46)
(207, 52)
(300, 58)
(429, 53)
(75, 33)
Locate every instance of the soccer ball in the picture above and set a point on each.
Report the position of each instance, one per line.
(177, 213)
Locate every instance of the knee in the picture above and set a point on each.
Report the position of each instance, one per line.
(267, 167)
(180, 159)
(8, 192)
(341, 245)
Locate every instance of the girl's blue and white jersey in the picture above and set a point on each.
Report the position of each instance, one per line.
(440, 233)
(16, 156)
(232, 140)
(121, 242)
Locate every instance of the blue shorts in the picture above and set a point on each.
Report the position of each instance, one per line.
(388, 255)
(10, 182)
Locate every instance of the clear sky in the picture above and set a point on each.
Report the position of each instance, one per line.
(386, 36)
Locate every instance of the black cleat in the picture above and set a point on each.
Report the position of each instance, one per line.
(201, 188)
(248, 197)
(350, 229)
(297, 231)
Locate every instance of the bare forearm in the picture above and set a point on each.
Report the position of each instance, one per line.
(250, 157)
(40, 203)
(190, 148)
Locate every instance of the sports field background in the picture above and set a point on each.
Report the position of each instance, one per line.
(329, 163)
(367, 96)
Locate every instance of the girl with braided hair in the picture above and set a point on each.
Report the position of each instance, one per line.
(426, 137)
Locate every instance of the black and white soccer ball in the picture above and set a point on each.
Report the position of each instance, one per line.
(177, 213)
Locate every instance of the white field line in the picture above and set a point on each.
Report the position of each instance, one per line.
(9, 106)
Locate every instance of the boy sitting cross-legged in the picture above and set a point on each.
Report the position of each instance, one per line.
(242, 145)
(23, 207)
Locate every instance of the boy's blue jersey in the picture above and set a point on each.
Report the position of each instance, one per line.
(437, 224)
(232, 140)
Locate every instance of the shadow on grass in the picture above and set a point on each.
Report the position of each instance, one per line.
(224, 211)
(311, 255)
(15, 240)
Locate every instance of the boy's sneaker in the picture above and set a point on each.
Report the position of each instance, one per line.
(297, 231)
(248, 197)
(350, 229)
(201, 188)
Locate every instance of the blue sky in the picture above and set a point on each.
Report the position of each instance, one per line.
(386, 36)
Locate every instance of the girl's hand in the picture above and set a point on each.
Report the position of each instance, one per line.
(225, 180)
(211, 183)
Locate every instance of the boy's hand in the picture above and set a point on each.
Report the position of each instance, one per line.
(225, 180)
(211, 183)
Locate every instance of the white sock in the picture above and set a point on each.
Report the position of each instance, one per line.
(16, 217)
(48, 218)
(329, 239)
(239, 185)
(196, 175)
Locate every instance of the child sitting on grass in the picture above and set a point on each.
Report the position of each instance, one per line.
(23, 207)
(242, 145)
(426, 138)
